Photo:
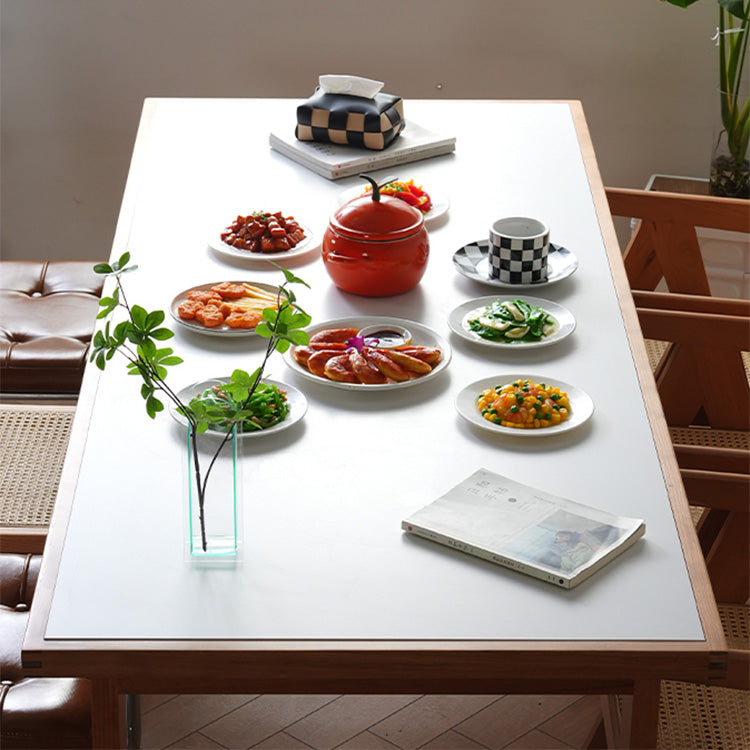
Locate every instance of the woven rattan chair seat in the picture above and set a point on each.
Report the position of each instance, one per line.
(33, 442)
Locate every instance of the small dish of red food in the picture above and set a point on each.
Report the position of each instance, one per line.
(409, 192)
(262, 235)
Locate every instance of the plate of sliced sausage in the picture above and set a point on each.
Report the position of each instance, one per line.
(370, 353)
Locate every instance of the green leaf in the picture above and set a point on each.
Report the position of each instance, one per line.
(154, 319)
(282, 345)
(300, 320)
(269, 314)
(263, 330)
(300, 338)
(735, 7)
(162, 334)
(139, 315)
(102, 268)
(153, 406)
(242, 378)
(147, 349)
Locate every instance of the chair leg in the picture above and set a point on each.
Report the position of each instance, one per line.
(727, 561)
(133, 720)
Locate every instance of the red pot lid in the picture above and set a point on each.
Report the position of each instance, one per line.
(385, 220)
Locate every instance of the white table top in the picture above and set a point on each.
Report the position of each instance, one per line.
(323, 554)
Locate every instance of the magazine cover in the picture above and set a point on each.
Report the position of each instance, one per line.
(520, 527)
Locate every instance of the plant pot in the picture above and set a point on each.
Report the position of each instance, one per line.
(730, 167)
(213, 519)
(730, 177)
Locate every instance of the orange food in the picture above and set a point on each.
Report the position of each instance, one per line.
(209, 316)
(524, 404)
(227, 290)
(339, 354)
(238, 306)
(243, 320)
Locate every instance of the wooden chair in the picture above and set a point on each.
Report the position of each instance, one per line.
(665, 244)
(701, 378)
(698, 347)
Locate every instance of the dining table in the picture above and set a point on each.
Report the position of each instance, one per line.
(328, 594)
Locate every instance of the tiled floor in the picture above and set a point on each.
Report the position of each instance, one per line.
(354, 722)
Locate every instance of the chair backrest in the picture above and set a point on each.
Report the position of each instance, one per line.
(703, 368)
(665, 244)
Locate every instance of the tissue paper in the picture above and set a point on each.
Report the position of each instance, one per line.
(351, 85)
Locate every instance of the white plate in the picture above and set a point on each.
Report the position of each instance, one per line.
(439, 208)
(222, 330)
(296, 400)
(458, 321)
(472, 261)
(221, 247)
(421, 336)
(581, 405)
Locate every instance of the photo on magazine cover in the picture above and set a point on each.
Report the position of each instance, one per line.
(564, 541)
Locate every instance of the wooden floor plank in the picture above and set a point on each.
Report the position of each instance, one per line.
(263, 717)
(511, 717)
(429, 717)
(347, 717)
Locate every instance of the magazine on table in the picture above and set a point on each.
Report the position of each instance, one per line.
(334, 161)
(520, 527)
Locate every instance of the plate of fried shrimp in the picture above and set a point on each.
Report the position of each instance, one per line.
(226, 308)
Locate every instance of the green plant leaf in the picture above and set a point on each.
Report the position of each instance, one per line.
(735, 7)
(300, 338)
(242, 378)
(154, 319)
(161, 334)
(263, 330)
(139, 315)
(102, 268)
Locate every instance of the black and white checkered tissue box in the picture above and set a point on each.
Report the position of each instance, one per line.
(351, 120)
(518, 261)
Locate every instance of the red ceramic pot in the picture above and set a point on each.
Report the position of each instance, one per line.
(376, 247)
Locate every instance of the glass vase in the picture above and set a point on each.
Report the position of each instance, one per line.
(213, 509)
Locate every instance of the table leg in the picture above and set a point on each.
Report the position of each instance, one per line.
(644, 719)
(105, 714)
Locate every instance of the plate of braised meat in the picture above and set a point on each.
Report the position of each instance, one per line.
(262, 235)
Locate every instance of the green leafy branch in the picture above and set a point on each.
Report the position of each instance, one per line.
(138, 337)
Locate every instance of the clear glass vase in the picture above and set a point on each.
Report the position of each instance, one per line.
(213, 518)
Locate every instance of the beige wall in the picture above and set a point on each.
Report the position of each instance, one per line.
(74, 74)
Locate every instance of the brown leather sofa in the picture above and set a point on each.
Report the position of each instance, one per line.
(47, 316)
(36, 713)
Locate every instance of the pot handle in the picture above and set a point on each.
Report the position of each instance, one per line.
(377, 185)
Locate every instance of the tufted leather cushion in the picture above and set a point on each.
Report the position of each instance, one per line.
(35, 712)
(47, 317)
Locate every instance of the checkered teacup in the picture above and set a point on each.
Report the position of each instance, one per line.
(518, 250)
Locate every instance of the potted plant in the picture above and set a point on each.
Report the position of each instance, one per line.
(137, 338)
(730, 168)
